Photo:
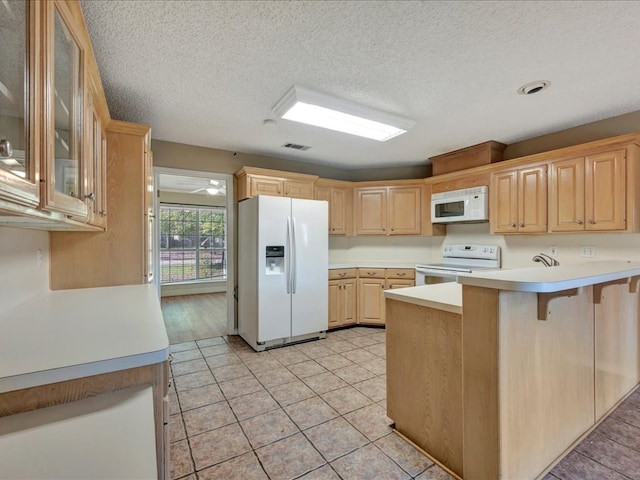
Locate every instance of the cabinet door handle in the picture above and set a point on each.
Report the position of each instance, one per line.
(522, 225)
(591, 222)
(371, 273)
(342, 274)
(402, 274)
(103, 213)
(91, 196)
(579, 222)
(513, 225)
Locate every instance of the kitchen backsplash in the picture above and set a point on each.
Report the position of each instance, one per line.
(20, 275)
(517, 250)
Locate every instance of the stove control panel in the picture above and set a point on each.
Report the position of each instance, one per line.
(488, 252)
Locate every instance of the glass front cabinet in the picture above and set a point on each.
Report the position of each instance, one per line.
(20, 103)
(52, 116)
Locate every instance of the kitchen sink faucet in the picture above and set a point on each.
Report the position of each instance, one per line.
(546, 260)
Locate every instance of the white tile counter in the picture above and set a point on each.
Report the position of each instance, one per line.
(68, 334)
(552, 279)
(441, 296)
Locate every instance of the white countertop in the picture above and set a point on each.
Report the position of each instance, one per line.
(552, 279)
(372, 265)
(103, 437)
(441, 296)
(67, 334)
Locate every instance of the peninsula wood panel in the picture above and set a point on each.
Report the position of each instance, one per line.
(546, 379)
(481, 435)
(424, 379)
(616, 346)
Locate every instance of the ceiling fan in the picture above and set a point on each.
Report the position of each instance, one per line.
(211, 189)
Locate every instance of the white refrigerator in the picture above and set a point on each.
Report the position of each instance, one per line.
(283, 261)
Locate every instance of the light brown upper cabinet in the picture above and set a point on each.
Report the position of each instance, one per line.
(518, 200)
(393, 210)
(253, 181)
(96, 161)
(20, 103)
(64, 190)
(340, 198)
(121, 254)
(50, 166)
(589, 193)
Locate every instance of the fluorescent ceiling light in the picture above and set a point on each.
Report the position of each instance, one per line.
(314, 108)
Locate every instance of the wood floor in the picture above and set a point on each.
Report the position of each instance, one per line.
(195, 317)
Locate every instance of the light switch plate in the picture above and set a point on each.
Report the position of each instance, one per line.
(553, 251)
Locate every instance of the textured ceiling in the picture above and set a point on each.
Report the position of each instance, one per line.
(208, 73)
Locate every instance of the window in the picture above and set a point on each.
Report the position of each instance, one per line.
(193, 243)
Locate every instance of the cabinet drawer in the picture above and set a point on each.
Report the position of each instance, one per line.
(340, 273)
(401, 273)
(371, 272)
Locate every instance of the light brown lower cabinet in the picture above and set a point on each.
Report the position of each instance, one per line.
(371, 300)
(357, 295)
(342, 302)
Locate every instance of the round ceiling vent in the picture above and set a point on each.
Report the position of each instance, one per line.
(533, 87)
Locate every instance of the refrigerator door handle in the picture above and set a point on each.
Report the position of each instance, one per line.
(288, 256)
(294, 267)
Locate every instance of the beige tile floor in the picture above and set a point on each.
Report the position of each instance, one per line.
(310, 411)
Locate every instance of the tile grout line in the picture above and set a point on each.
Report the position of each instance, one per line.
(281, 407)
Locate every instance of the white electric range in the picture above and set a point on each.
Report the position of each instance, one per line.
(456, 259)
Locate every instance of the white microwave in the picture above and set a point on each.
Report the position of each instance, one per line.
(466, 205)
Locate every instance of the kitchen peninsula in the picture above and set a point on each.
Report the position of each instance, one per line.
(83, 382)
(498, 375)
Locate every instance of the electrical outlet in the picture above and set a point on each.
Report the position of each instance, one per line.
(553, 251)
(39, 258)
(588, 252)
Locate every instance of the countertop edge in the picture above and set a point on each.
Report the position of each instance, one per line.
(73, 372)
(608, 272)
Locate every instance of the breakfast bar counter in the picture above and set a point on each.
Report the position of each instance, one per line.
(534, 359)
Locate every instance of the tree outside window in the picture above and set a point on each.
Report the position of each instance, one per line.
(193, 243)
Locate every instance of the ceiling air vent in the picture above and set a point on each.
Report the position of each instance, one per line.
(295, 146)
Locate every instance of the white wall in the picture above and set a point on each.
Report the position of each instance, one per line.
(20, 275)
(517, 250)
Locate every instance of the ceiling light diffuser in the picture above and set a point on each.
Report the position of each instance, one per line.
(303, 105)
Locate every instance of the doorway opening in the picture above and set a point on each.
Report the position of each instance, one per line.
(193, 243)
